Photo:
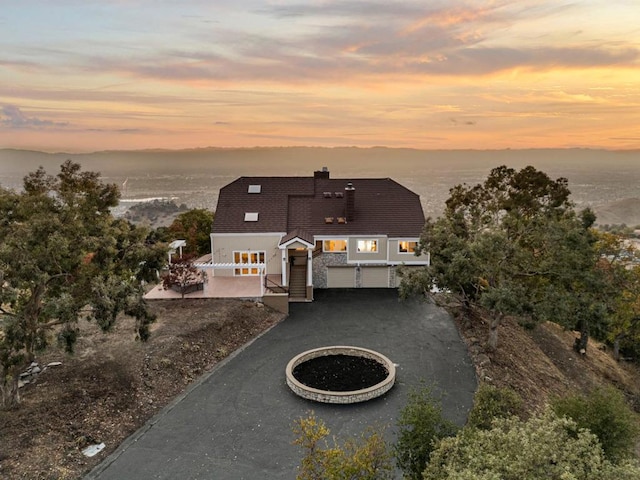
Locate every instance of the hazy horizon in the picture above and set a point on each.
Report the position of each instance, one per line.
(194, 176)
(325, 147)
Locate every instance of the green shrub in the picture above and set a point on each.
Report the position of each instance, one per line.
(606, 414)
(366, 457)
(421, 425)
(544, 447)
(493, 402)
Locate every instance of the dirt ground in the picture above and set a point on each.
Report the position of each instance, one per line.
(112, 384)
(540, 363)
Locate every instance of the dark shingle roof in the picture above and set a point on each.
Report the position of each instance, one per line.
(382, 207)
(297, 233)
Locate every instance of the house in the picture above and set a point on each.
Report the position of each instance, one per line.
(301, 233)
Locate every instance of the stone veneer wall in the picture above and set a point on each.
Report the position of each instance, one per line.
(392, 276)
(324, 260)
(320, 264)
(359, 277)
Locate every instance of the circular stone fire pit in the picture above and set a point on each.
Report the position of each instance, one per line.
(330, 374)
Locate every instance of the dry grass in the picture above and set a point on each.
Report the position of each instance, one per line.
(541, 364)
(114, 384)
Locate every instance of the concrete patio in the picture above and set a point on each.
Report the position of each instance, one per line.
(214, 287)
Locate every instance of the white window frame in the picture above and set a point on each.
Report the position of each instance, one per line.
(367, 245)
(408, 252)
(248, 257)
(325, 241)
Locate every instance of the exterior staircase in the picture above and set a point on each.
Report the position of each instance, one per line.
(298, 283)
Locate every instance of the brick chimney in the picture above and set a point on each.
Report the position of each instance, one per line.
(324, 173)
(350, 202)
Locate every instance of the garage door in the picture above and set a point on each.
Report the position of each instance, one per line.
(341, 277)
(375, 277)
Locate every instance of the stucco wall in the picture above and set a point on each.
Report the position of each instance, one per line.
(224, 246)
(397, 257)
(380, 255)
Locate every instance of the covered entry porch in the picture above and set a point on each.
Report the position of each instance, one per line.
(296, 250)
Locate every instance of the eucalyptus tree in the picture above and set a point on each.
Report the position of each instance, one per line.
(63, 257)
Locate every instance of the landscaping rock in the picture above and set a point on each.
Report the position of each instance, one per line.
(483, 360)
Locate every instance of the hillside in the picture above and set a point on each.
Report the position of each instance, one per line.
(541, 364)
(626, 211)
(113, 384)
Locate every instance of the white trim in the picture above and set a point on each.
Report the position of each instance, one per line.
(389, 263)
(230, 265)
(364, 263)
(366, 236)
(294, 240)
(249, 234)
(309, 268)
(410, 262)
(176, 245)
(283, 268)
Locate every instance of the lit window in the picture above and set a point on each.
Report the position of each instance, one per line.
(367, 246)
(250, 259)
(407, 247)
(334, 246)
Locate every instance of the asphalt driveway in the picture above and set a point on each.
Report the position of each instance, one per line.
(236, 422)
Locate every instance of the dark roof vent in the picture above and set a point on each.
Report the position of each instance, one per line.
(326, 194)
(339, 194)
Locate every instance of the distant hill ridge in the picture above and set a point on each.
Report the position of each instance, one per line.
(626, 211)
(194, 176)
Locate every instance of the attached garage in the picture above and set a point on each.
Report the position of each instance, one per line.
(375, 277)
(341, 277)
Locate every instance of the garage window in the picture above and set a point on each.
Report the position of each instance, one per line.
(367, 246)
(407, 247)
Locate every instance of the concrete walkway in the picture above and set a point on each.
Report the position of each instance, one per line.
(236, 422)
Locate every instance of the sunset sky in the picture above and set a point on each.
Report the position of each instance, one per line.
(86, 75)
